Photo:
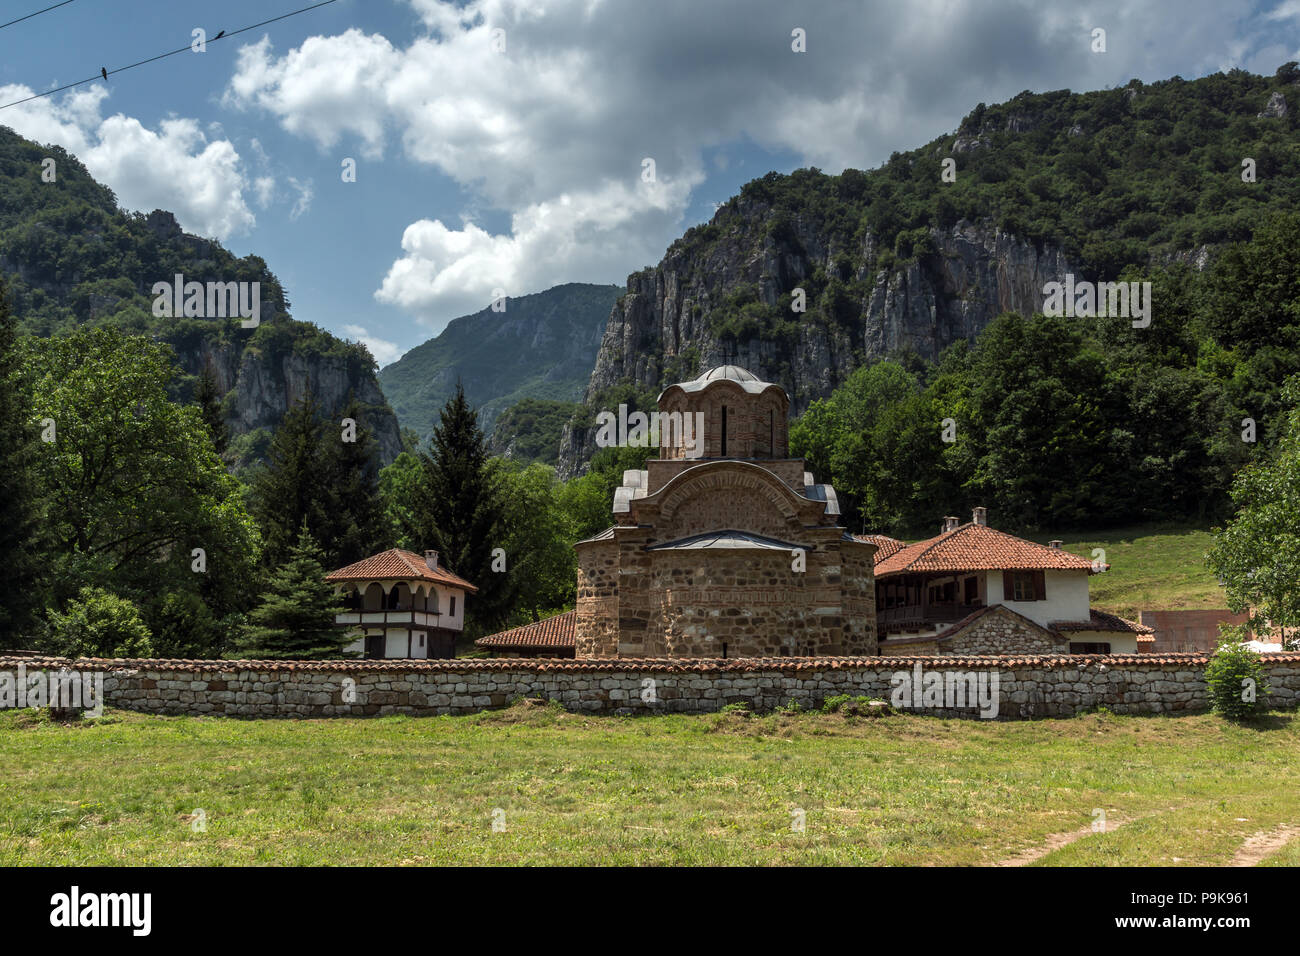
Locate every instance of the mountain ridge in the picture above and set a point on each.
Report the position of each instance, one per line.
(899, 260)
(71, 257)
(542, 346)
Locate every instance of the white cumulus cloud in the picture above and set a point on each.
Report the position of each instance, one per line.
(175, 167)
(545, 111)
(384, 352)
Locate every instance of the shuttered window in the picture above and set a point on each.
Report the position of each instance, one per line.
(1024, 586)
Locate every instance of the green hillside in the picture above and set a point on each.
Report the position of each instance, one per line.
(70, 257)
(542, 346)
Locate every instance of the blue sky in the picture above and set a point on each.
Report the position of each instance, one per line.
(514, 160)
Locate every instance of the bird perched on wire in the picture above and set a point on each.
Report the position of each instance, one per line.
(219, 35)
(103, 72)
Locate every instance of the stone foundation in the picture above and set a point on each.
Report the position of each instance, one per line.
(1027, 686)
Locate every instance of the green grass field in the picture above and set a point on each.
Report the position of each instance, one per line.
(715, 789)
(1151, 569)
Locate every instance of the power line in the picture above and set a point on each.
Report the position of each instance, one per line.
(163, 56)
(36, 14)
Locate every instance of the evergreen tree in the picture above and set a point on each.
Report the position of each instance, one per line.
(295, 620)
(208, 396)
(356, 525)
(459, 509)
(1257, 556)
(19, 590)
(290, 491)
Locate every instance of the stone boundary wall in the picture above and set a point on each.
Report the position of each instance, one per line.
(1048, 685)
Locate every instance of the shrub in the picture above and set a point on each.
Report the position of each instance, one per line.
(1236, 681)
(98, 623)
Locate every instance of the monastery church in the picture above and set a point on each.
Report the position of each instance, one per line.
(732, 549)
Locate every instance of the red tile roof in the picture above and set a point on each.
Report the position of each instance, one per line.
(649, 665)
(885, 545)
(552, 632)
(977, 547)
(397, 564)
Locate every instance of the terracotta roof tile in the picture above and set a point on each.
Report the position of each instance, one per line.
(398, 564)
(650, 665)
(977, 547)
(553, 632)
(885, 545)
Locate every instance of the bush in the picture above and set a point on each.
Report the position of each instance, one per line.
(97, 623)
(1236, 682)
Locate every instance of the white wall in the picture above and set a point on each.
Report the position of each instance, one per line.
(452, 622)
(1120, 642)
(1067, 597)
(394, 644)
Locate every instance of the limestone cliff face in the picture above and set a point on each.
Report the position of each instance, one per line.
(260, 386)
(974, 272)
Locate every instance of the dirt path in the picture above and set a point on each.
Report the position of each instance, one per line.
(1264, 844)
(1055, 842)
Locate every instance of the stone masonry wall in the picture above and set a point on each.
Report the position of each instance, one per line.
(1027, 686)
(997, 632)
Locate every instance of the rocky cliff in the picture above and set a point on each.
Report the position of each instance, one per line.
(926, 249)
(971, 273)
(70, 256)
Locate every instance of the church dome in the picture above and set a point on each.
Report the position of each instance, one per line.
(743, 377)
(732, 373)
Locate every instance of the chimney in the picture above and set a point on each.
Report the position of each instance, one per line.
(431, 559)
(1055, 544)
(980, 515)
(949, 522)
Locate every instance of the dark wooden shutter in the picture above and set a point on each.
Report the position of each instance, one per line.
(1040, 586)
(1008, 586)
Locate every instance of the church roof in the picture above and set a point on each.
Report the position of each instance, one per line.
(725, 540)
(746, 379)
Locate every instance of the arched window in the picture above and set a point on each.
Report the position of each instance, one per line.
(374, 597)
(723, 453)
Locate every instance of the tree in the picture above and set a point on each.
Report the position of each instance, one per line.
(1037, 426)
(458, 509)
(137, 501)
(295, 620)
(19, 513)
(290, 490)
(1257, 556)
(539, 542)
(184, 627)
(207, 395)
(355, 523)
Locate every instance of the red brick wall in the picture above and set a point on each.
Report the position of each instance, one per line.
(1187, 630)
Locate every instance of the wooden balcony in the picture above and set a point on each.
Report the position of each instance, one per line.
(406, 618)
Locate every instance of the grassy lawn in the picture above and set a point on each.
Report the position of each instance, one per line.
(715, 789)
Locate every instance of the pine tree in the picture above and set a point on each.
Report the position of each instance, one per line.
(459, 508)
(208, 396)
(290, 490)
(19, 557)
(356, 525)
(295, 620)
